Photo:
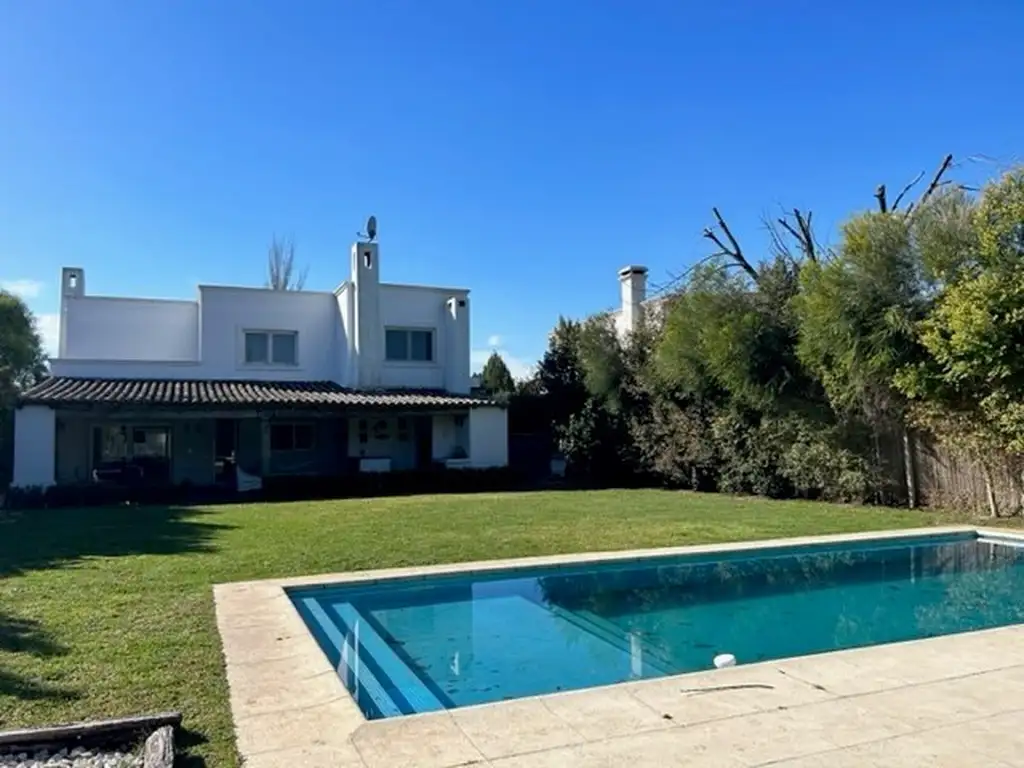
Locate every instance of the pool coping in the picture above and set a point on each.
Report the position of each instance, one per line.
(290, 707)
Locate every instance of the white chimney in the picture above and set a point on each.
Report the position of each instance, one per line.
(73, 282)
(368, 333)
(72, 286)
(633, 285)
(456, 345)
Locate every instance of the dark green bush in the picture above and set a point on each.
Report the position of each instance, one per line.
(284, 488)
(597, 448)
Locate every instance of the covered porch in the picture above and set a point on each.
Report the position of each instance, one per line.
(76, 431)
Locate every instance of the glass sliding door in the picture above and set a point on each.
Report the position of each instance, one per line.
(131, 453)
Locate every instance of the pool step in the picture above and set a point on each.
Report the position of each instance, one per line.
(613, 635)
(364, 657)
(653, 656)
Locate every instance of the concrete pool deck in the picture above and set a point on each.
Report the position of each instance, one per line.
(956, 700)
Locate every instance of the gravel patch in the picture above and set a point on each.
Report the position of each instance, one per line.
(74, 758)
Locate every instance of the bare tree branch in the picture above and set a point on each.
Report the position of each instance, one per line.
(789, 228)
(779, 246)
(281, 275)
(936, 182)
(734, 252)
(880, 197)
(728, 233)
(946, 162)
(903, 192)
(681, 278)
(804, 222)
(801, 232)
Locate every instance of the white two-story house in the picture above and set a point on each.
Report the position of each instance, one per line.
(249, 382)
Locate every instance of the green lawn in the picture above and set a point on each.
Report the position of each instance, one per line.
(107, 612)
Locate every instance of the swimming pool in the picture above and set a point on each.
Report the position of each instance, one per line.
(423, 644)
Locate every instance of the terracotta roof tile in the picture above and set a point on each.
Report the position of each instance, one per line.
(66, 390)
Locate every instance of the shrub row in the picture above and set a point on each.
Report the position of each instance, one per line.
(284, 488)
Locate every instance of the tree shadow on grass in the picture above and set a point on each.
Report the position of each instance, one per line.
(21, 687)
(34, 540)
(20, 635)
(55, 538)
(186, 739)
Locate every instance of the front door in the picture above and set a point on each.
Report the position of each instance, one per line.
(423, 435)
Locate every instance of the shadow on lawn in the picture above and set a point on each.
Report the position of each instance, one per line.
(45, 539)
(19, 635)
(55, 538)
(185, 739)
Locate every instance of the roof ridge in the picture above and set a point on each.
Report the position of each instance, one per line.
(72, 390)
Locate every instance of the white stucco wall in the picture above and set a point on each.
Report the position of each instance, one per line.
(125, 369)
(488, 437)
(367, 333)
(228, 312)
(35, 434)
(424, 308)
(447, 434)
(102, 328)
(457, 375)
(198, 340)
(348, 374)
(204, 339)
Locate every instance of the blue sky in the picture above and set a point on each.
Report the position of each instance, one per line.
(525, 149)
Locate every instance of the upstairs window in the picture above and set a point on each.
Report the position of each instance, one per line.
(409, 345)
(271, 347)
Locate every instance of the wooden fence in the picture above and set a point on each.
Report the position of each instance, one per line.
(947, 479)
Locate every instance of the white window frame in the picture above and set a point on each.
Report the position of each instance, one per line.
(410, 329)
(269, 333)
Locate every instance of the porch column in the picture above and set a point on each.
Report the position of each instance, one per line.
(488, 437)
(35, 446)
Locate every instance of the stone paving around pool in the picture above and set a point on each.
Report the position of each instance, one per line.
(956, 701)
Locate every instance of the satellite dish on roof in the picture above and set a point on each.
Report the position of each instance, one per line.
(371, 229)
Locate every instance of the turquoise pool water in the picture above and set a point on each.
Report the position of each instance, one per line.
(417, 645)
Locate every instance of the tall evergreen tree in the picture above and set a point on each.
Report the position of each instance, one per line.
(496, 378)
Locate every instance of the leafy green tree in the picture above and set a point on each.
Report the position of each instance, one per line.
(857, 316)
(728, 338)
(681, 361)
(969, 387)
(22, 364)
(792, 375)
(602, 360)
(945, 235)
(496, 377)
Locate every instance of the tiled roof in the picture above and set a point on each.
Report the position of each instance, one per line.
(66, 390)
